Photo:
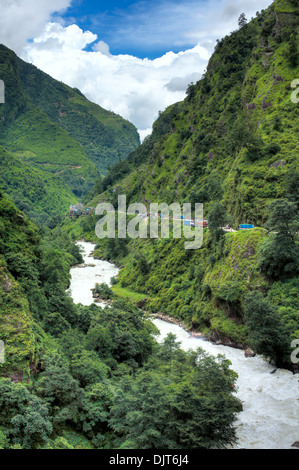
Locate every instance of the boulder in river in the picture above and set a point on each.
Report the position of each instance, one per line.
(249, 353)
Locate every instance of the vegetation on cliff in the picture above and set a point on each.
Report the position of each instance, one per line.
(231, 145)
(74, 375)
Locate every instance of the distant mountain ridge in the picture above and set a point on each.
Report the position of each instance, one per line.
(56, 129)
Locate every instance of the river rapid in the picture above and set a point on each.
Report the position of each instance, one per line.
(270, 416)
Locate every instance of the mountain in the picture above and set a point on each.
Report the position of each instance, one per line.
(234, 137)
(74, 375)
(56, 129)
(231, 145)
(34, 276)
(18, 239)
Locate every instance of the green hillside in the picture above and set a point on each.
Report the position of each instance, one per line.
(69, 370)
(55, 129)
(34, 274)
(105, 136)
(232, 145)
(234, 138)
(38, 193)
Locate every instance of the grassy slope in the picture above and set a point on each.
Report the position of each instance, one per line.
(33, 190)
(104, 136)
(56, 129)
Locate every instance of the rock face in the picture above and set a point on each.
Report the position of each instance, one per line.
(249, 353)
(295, 444)
(7, 285)
(276, 164)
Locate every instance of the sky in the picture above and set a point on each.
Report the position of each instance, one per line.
(134, 58)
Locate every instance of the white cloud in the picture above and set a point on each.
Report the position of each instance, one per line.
(56, 37)
(134, 88)
(103, 47)
(21, 20)
(220, 17)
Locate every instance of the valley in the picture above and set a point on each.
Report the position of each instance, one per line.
(89, 362)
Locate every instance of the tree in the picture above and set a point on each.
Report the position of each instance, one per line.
(291, 185)
(266, 333)
(283, 218)
(278, 253)
(218, 218)
(4, 442)
(25, 417)
(242, 21)
(97, 403)
(87, 368)
(103, 290)
(180, 400)
(142, 415)
(141, 263)
(243, 135)
(60, 391)
(292, 51)
(191, 91)
(32, 425)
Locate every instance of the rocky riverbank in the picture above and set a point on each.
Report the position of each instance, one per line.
(213, 337)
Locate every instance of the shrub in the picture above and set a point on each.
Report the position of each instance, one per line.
(103, 290)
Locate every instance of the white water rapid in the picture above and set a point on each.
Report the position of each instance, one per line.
(270, 416)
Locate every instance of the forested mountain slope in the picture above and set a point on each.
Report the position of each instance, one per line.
(235, 137)
(56, 129)
(232, 145)
(39, 194)
(73, 375)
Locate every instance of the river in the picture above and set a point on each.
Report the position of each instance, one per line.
(270, 416)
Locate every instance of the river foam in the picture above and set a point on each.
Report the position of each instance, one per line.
(270, 416)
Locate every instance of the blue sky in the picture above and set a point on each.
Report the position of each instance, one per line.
(146, 28)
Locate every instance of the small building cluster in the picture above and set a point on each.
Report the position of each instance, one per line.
(245, 226)
(77, 210)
